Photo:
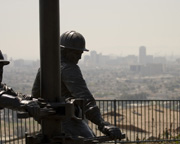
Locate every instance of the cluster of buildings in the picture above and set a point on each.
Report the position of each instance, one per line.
(147, 64)
(22, 62)
(143, 63)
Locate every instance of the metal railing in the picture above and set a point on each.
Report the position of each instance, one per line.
(141, 121)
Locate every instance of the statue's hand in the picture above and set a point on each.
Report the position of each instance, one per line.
(32, 108)
(110, 130)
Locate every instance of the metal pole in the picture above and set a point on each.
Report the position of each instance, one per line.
(115, 116)
(50, 61)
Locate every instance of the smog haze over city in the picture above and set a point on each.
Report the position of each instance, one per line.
(113, 27)
(134, 45)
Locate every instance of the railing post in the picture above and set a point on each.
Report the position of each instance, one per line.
(115, 115)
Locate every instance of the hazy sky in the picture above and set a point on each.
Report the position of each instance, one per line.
(117, 27)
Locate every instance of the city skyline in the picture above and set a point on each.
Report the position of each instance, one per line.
(141, 58)
(117, 27)
(111, 56)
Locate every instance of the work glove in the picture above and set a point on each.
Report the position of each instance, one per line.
(93, 114)
(110, 130)
(33, 108)
(7, 90)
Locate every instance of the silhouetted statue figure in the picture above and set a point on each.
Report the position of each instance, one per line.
(73, 85)
(10, 99)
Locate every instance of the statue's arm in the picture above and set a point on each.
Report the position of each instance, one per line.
(12, 102)
(19, 104)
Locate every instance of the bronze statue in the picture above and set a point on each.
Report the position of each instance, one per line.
(73, 85)
(15, 101)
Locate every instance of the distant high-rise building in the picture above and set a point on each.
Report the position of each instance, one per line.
(94, 57)
(142, 55)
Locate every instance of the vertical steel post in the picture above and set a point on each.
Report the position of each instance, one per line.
(50, 61)
(115, 116)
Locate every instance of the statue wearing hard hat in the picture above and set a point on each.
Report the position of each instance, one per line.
(10, 99)
(73, 85)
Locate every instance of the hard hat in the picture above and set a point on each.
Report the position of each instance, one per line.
(4, 62)
(72, 40)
